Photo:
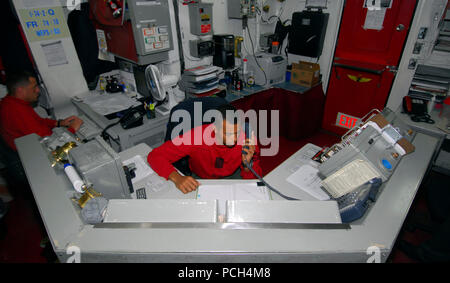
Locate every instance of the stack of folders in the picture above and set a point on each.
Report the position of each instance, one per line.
(200, 79)
(430, 83)
(443, 40)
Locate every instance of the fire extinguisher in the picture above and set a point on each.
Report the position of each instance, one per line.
(115, 6)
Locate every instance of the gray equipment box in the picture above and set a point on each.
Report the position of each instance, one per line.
(371, 146)
(201, 48)
(274, 67)
(266, 40)
(200, 17)
(362, 150)
(100, 166)
(152, 31)
(239, 8)
(59, 137)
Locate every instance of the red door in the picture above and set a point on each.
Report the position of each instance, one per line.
(368, 52)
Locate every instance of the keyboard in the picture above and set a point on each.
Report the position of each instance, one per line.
(88, 129)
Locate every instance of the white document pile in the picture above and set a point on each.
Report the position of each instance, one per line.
(307, 179)
(350, 177)
(105, 104)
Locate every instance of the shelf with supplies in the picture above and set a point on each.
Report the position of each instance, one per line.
(443, 39)
(430, 84)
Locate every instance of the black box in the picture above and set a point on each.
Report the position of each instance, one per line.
(308, 33)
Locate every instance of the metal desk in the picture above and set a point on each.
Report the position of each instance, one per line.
(214, 242)
(152, 132)
(429, 129)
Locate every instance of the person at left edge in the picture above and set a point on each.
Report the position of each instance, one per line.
(17, 116)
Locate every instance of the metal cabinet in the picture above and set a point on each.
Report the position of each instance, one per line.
(152, 133)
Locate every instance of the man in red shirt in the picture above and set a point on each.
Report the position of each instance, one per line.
(17, 116)
(215, 151)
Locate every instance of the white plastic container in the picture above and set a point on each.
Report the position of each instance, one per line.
(74, 177)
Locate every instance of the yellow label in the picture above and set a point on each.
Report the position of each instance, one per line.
(359, 79)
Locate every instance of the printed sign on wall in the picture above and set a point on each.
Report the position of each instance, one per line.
(44, 23)
(346, 121)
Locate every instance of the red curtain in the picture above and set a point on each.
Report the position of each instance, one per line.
(300, 113)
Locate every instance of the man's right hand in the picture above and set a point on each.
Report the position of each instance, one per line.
(73, 122)
(186, 184)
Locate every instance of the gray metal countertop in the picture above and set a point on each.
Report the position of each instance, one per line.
(379, 227)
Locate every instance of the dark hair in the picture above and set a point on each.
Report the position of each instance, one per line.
(17, 79)
(223, 109)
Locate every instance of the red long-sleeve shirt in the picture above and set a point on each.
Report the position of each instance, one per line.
(18, 119)
(203, 157)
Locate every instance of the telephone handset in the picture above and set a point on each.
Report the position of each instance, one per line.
(247, 131)
(133, 118)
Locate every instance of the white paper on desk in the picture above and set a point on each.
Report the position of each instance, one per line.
(305, 158)
(142, 168)
(156, 183)
(105, 104)
(239, 191)
(307, 179)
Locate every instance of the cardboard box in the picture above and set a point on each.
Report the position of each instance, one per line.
(305, 74)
